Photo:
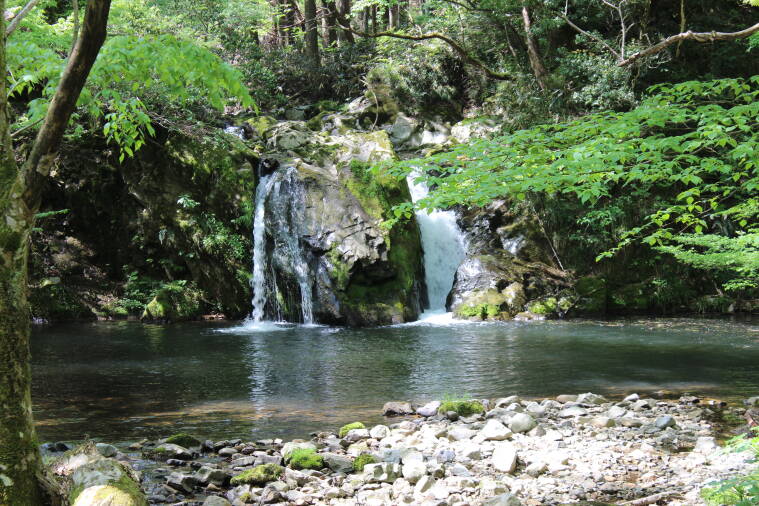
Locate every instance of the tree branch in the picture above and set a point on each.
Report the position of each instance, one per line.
(21, 15)
(689, 35)
(465, 55)
(590, 35)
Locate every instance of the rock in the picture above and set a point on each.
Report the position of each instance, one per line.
(495, 431)
(106, 495)
(503, 500)
(429, 409)
(397, 408)
(206, 475)
(522, 422)
(629, 422)
(413, 471)
(465, 130)
(169, 451)
(632, 398)
(705, 445)
(338, 463)
(355, 435)
(566, 398)
(536, 469)
(504, 457)
(106, 450)
(643, 404)
(573, 411)
(244, 461)
(215, 500)
(601, 422)
(590, 398)
(664, 421)
(424, 484)
(379, 432)
(101, 481)
(182, 482)
(227, 452)
(459, 433)
(289, 447)
(616, 412)
(445, 455)
(382, 472)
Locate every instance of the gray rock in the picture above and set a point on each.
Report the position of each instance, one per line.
(227, 452)
(382, 472)
(291, 446)
(414, 470)
(566, 398)
(424, 484)
(181, 482)
(459, 433)
(664, 421)
(505, 457)
(616, 412)
(590, 398)
(244, 461)
(629, 422)
(215, 500)
(445, 455)
(601, 422)
(338, 463)
(705, 445)
(573, 411)
(505, 401)
(106, 450)
(495, 431)
(206, 475)
(429, 409)
(503, 500)
(171, 451)
(379, 432)
(643, 404)
(632, 398)
(397, 408)
(522, 422)
(355, 435)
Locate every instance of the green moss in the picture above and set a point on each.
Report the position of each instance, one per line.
(261, 124)
(306, 458)
(362, 460)
(544, 307)
(173, 302)
(259, 475)
(349, 427)
(183, 439)
(463, 408)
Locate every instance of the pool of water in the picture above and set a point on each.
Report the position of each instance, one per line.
(121, 381)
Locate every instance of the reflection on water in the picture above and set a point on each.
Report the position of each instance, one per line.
(121, 381)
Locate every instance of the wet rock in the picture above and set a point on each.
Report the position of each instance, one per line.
(182, 482)
(215, 500)
(397, 408)
(429, 409)
(106, 450)
(206, 475)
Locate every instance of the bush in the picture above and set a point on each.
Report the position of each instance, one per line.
(739, 490)
(183, 439)
(463, 408)
(347, 428)
(259, 475)
(362, 460)
(306, 458)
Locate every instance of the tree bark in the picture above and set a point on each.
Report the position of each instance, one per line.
(20, 462)
(533, 51)
(330, 22)
(312, 35)
(343, 8)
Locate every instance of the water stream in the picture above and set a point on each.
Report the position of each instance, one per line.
(444, 248)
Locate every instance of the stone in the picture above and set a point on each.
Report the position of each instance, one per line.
(338, 463)
(429, 409)
(572, 411)
(414, 471)
(643, 404)
(244, 461)
(495, 431)
(664, 421)
(445, 455)
(170, 451)
(471, 451)
(522, 422)
(459, 433)
(106, 450)
(705, 445)
(616, 412)
(181, 482)
(397, 409)
(106, 495)
(601, 422)
(206, 475)
(590, 398)
(355, 435)
(379, 432)
(424, 484)
(215, 500)
(629, 422)
(382, 472)
(536, 469)
(632, 398)
(227, 452)
(503, 500)
(504, 457)
(291, 446)
(566, 398)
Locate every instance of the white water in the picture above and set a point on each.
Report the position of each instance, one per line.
(444, 248)
(258, 281)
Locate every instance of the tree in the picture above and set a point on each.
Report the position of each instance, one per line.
(20, 463)
(312, 35)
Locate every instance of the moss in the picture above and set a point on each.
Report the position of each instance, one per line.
(261, 124)
(349, 427)
(362, 460)
(183, 439)
(463, 408)
(259, 475)
(544, 307)
(306, 458)
(173, 303)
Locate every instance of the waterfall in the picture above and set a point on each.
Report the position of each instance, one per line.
(279, 210)
(443, 246)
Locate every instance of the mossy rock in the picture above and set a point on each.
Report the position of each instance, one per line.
(362, 460)
(306, 458)
(259, 475)
(108, 495)
(349, 427)
(173, 304)
(183, 439)
(632, 298)
(462, 408)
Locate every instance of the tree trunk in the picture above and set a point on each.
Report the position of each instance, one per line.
(312, 35)
(533, 51)
(330, 22)
(365, 19)
(343, 8)
(393, 13)
(20, 462)
(374, 19)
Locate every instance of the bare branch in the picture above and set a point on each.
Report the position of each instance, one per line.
(21, 15)
(689, 35)
(590, 36)
(465, 55)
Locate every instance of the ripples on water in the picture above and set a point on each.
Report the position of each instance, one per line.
(122, 381)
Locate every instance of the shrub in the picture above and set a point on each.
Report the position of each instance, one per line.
(362, 460)
(306, 458)
(738, 490)
(462, 407)
(347, 428)
(183, 439)
(259, 475)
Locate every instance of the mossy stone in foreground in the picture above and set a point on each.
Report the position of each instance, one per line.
(259, 475)
(362, 460)
(463, 408)
(183, 439)
(349, 427)
(306, 458)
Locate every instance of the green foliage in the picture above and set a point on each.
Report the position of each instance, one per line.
(259, 475)
(183, 439)
(305, 458)
(461, 406)
(362, 460)
(738, 490)
(690, 145)
(349, 427)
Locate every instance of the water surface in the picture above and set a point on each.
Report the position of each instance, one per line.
(121, 381)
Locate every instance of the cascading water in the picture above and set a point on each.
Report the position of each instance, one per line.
(282, 195)
(444, 248)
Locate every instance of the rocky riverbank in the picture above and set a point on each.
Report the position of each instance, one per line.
(508, 451)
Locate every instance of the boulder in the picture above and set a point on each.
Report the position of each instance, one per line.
(504, 457)
(397, 408)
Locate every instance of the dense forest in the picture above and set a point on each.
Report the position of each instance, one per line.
(600, 157)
